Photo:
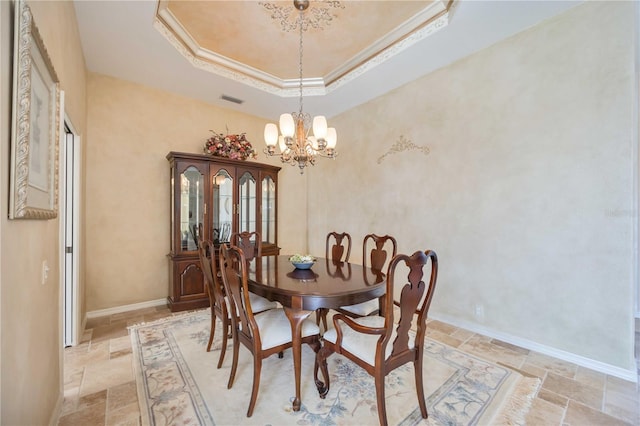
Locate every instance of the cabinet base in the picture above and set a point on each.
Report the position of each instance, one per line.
(186, 305)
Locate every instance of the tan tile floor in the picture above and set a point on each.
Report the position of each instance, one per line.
(100, 387)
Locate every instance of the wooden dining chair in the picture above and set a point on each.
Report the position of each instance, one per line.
(263, 335)
(375, 252)
(249, 242)
(218, 300)
(337, 251)
(341, 243)
(380, 344)
(219, 308)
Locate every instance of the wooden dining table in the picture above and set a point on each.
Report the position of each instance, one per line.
(328, 284)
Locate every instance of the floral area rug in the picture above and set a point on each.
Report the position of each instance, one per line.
(179, 384)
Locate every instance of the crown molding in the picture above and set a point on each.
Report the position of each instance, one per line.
(431, 19)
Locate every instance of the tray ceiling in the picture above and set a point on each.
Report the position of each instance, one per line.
(257, 43)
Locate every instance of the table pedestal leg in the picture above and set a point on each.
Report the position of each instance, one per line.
(296, 317)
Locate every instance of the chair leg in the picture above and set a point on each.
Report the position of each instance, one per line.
(321, 362)
(417, 367)
(234, 363)
(382, 409)
(213, 330)
(257, 367)
(225, 337)
(321, 314)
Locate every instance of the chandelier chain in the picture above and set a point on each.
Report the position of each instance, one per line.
(300, 64)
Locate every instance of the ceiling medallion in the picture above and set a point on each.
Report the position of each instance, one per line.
(318, 15)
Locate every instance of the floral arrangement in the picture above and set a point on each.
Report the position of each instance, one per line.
(302, 258)
(236, 147)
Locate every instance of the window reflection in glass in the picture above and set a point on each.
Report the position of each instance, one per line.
(222, 207)
(191, 208)
(268, 210)
(247, 203)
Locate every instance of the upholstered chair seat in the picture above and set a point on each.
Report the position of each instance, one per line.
(275, 328)
(362, 309)
(259, 303)
(363, 345)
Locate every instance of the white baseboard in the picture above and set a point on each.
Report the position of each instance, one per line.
(57, 410)
(630, 375)
(125, 308)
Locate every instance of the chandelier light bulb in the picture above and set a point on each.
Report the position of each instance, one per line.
(332, 138)
(271, 135)
(320, 127)
(287, 125)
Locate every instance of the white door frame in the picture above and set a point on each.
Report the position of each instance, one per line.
(70, 164)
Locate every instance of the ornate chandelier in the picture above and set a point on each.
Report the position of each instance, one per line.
(297, 147)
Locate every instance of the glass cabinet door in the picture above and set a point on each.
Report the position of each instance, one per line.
(191, 208)
(247, 203)
(223, 207)
(268, 210)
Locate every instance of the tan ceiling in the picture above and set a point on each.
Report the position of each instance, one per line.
(259, 41)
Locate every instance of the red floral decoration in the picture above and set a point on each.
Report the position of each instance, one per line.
(236, 147)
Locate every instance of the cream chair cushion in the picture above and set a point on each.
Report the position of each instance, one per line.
(364, 308)
(259, 303)
(364, 345)
(275, 328)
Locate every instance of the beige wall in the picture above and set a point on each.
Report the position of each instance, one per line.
(132, 128)
(30, 330)
(527, 194)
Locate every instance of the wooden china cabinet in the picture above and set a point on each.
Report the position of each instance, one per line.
(212, 197)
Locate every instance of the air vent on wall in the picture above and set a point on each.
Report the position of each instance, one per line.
(231, 99)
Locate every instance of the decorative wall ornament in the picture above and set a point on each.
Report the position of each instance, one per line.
(404, 144)
(318, 16)
(35, 124)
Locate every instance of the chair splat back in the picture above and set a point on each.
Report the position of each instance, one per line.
(249, 242)
(378, 254)
(234, 273)
(216, 295)
(339, 247)
(411, 296)
(214, 287)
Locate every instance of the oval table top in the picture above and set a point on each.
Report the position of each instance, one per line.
(327, 284)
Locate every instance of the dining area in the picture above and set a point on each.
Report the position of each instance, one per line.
(374, 314)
